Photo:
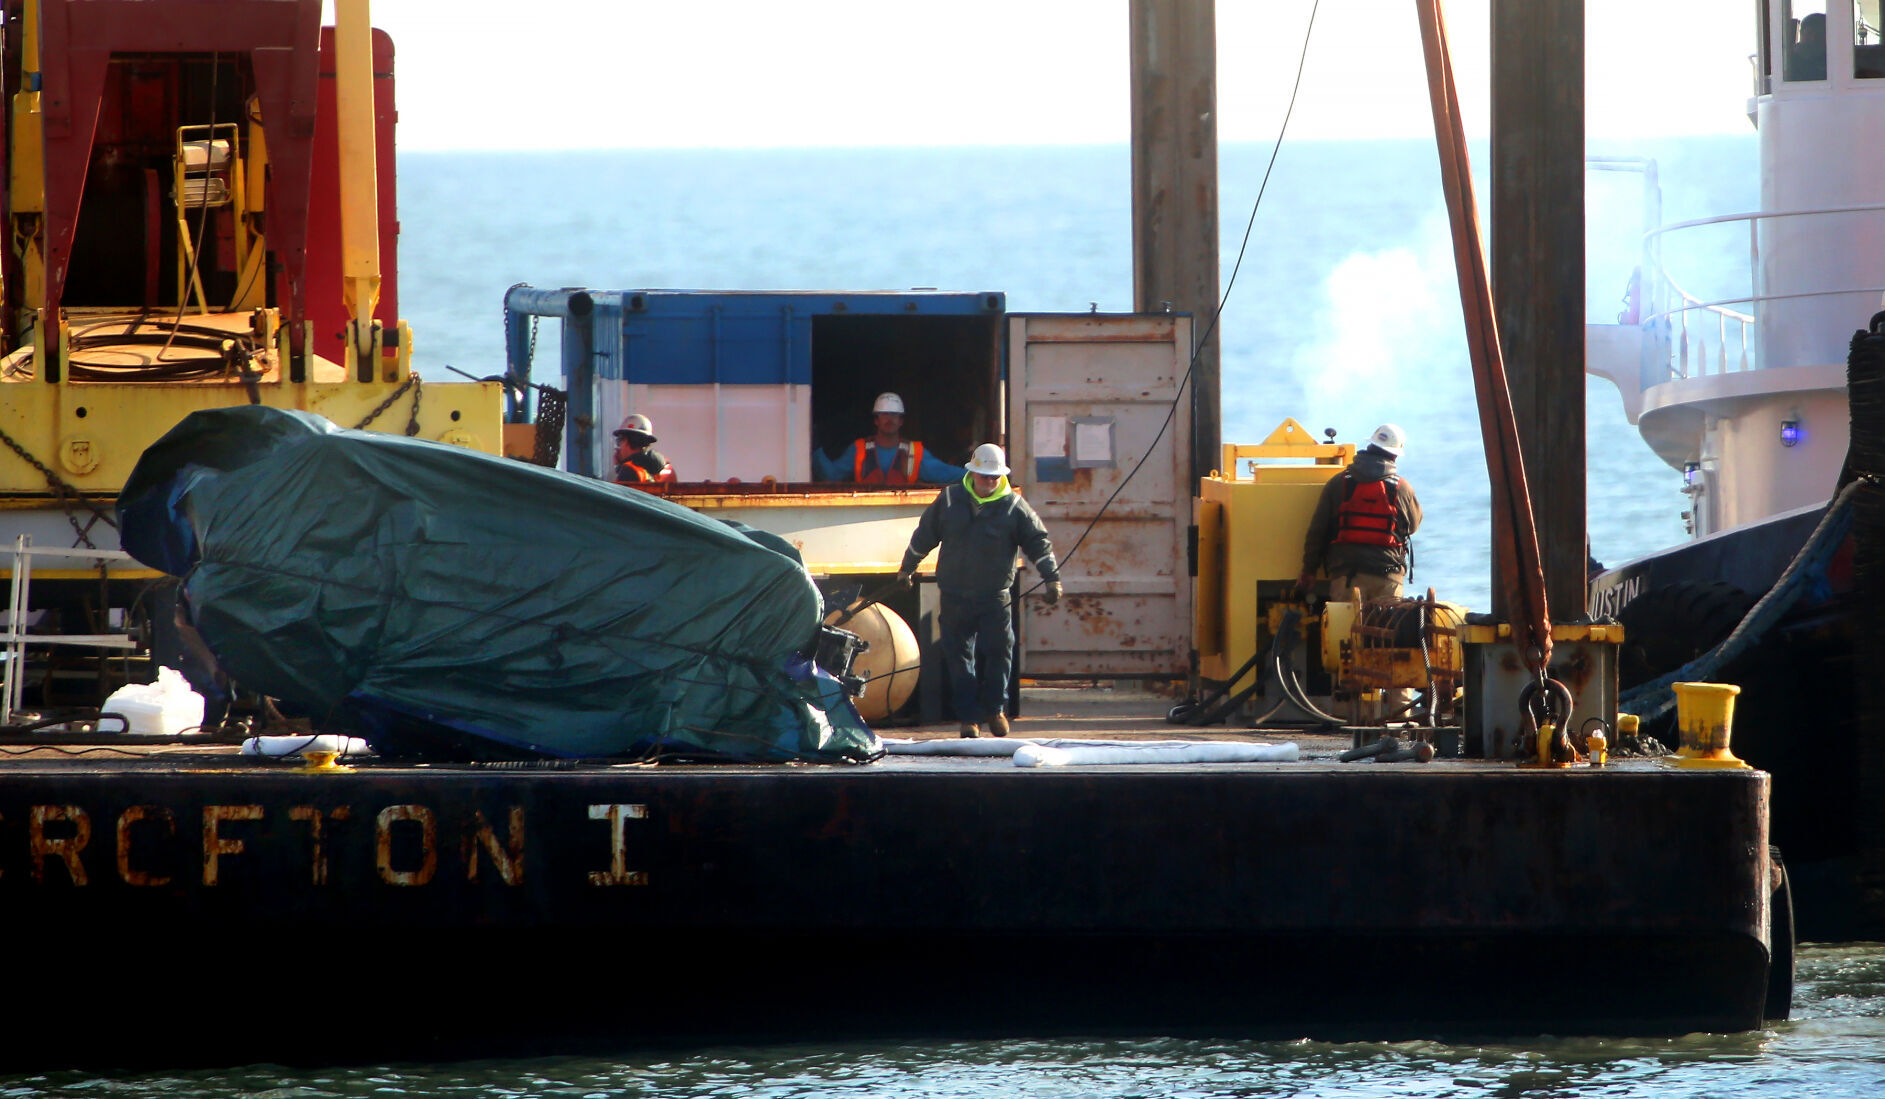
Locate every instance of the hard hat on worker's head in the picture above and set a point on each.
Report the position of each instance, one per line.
(888, 402)
(989, 461)
(1389, 437)
(638, 429)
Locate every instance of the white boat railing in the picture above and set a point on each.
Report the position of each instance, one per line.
(1716, 336)
(15, 639)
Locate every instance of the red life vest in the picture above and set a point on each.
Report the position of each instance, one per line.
(1367, 515)
(864, 468)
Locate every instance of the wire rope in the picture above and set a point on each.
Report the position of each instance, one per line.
(1211, 326)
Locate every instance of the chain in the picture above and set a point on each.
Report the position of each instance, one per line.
(552, 405)
(413, 383)
(412, 417)
(530, 356)
(65, 494)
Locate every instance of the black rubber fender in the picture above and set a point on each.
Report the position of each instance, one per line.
(1779, 1004)
(1668, 626)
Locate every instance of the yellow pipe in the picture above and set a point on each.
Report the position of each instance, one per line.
(359, 183)
(27, 163)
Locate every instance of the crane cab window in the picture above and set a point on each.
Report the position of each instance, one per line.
(1803, 35)
(1868, 49)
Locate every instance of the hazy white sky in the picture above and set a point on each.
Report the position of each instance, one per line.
(549, 74)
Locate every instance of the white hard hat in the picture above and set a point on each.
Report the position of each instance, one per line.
(638, 427)
(989, 461)
(888, 402)
(1389, 437)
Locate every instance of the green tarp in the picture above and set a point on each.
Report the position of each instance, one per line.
(449, 604)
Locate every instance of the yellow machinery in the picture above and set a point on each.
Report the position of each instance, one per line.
(179, 240)
(1252, 519)
(1252, 515)
(1368, 648)
(98, 358)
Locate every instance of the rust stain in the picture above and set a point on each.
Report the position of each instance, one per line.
(318, 856)
(131, 875)
(428, 844)
(66, 848)
(214, 845)
(618, 872)
(508, 857)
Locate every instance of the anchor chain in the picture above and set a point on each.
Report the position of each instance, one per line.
(65, 493)
(413, 383)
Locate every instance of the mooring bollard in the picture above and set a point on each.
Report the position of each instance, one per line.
(1705, 716)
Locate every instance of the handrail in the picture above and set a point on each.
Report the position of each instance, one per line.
(1760, 215)
(1685, 341)
(1718, 305)
(15, 637)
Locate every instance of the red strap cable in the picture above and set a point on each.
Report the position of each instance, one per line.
(1521, 573)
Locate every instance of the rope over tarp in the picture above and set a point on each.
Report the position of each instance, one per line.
(1521, 573)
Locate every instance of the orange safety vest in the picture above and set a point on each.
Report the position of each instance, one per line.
(628, 473)
(1367, 515)
(902, 471)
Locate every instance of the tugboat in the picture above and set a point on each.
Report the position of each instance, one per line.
(1744, 393)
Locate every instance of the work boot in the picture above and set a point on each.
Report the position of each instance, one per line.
(998, 723)
(969, 729)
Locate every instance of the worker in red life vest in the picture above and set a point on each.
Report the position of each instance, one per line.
(636, 463)
(886, 457)
(1359, 534)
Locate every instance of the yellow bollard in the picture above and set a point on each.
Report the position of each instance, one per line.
(1705, 715)
(323, 761)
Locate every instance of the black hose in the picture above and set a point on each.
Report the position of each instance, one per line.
(1192, 712)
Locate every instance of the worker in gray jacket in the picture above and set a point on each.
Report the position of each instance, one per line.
(979, 523)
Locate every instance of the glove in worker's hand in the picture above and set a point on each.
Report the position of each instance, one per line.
(906, 578)
(1305, 584)
(1053, 592)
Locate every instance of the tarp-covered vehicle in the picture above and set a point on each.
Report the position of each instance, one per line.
(448, 604)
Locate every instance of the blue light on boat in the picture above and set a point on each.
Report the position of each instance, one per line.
(1789, 432)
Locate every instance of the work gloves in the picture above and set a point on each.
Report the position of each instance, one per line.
(1053, 592)
(906, 578)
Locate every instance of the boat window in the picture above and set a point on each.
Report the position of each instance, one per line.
(1868, 50)
(1803, 25)
(1764, 55)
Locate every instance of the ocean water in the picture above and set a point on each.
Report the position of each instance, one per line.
(1834, 1046)
(1343, 315)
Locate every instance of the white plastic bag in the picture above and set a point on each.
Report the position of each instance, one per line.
(164, 708)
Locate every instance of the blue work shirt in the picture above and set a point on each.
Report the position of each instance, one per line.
(931, 470)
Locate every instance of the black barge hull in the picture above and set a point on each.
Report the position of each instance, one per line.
(235, 913)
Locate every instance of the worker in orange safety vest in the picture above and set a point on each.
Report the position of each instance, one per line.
(636, 462)
(885, 457)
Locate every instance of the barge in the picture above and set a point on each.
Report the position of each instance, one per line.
(261, 910)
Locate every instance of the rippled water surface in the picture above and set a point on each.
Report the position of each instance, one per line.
(1833, 1046)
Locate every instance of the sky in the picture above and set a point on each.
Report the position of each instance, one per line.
(572, 74)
